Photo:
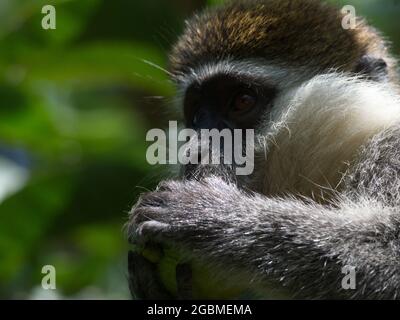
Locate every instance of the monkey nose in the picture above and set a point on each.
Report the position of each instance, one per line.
(206, 119)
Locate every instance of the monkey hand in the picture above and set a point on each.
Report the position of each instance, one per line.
(182, 215)
(180, 212)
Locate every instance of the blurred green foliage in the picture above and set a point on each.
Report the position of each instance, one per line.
(75, 104)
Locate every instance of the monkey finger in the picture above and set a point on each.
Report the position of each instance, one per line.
(150, 231)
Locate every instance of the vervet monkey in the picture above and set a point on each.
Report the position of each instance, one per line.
(325, 192)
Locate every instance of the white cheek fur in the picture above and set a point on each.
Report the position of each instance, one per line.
(317, 129)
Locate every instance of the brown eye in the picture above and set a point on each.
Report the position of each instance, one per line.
(244, 102)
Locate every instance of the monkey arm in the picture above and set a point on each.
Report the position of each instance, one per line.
(301, 246)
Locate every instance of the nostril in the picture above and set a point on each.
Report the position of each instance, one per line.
(200, 116)
(195, 120)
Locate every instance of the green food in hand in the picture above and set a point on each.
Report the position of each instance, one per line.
(204, 283)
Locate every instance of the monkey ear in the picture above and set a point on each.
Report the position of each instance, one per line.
(373, 68)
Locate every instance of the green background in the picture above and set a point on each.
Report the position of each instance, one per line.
(75, 104)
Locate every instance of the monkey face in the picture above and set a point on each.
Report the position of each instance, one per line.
(226, 102)
(223, 104)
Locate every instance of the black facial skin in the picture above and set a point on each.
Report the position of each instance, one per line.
(226, 102)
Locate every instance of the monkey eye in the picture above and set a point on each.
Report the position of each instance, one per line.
(244, 101)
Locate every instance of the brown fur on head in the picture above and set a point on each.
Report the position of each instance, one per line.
(298, 33)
